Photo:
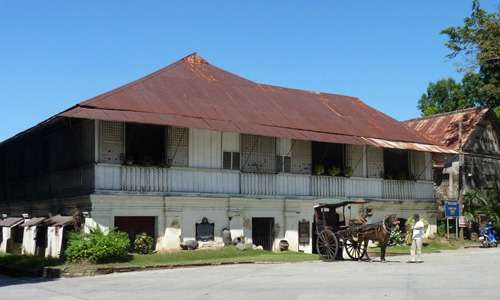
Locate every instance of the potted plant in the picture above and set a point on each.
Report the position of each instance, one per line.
(319, 169)
(334, 171)
(348, 172)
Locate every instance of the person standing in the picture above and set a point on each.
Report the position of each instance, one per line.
(417, 238)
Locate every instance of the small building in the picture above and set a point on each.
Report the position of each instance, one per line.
(11, 234)
(475, 134)
(191, 149)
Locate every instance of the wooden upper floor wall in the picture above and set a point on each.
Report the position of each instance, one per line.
(202, 148)
(60, 159)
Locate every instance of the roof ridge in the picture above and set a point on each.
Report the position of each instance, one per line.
(447, 113)
(193, 58)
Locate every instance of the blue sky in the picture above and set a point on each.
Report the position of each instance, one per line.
(54, 54)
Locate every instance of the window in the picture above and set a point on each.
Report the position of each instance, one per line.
(258, 154)
(396, 164)
(328, 159)
(178, 146)
(283, 164)
(204, 230)
(111, 143)
(304, 232)
(231, 160)
(145, 144)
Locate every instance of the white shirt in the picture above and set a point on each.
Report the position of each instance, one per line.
(418, 230)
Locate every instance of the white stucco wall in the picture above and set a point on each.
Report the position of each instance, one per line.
(177, 215)
(29, 242)
(6, 232)
(54, 241)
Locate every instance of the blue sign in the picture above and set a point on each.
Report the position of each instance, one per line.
(451, 209)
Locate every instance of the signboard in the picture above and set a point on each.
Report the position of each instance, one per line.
(451, 209)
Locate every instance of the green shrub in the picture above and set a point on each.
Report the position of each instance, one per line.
(397, 238)
(441, 229)
(97, 247)
(143, 244)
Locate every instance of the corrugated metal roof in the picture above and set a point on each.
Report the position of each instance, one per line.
(11, 221)
(194, 93)
(34, 221)
(59, 220)
(442, 129)
(409, 146)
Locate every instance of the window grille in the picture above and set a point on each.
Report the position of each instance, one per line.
(112, 137)
(112, 132)
(258, 154)
(177, 146)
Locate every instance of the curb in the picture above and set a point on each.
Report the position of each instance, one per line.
(49, 272)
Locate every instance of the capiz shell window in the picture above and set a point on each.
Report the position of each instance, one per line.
(258, 154)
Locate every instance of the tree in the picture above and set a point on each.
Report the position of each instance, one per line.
(477, 42)
(442, 96)
(485, 203)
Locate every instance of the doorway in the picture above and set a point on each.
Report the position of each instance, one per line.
(262, 232)
(136, 225)
(41, 240)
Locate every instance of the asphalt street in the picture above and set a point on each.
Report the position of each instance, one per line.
(465, 274)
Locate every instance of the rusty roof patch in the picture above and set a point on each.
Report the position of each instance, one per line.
(443, 129)
(193, 93)
(11, 221)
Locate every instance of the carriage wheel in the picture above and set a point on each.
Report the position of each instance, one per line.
(327, 245)
(354, 248)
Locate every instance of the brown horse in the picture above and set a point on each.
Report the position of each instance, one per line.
(380, 232)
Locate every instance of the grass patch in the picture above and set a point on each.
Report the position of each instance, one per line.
(25, 264)
(220, 256)
(430, 246)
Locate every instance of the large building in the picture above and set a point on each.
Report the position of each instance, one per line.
(474, 134)
(192, 149)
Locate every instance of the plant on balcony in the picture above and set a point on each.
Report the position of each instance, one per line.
(334, 171)
(348, 172)
(319, 169)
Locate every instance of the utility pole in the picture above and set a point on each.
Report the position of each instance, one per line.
(461, 162)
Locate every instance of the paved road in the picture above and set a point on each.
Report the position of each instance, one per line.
(465, 274)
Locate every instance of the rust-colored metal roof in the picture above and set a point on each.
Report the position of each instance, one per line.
(34, 221)
(193, 93)
(59, 220)
(11, 221)
(443, 129)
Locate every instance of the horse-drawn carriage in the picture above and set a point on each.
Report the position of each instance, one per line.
(333, 234)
